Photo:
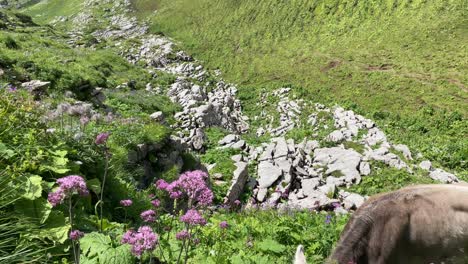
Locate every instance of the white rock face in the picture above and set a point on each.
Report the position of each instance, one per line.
(344, 161)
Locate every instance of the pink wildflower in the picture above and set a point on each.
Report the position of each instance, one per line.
(67, 187)
(193, 217)
(182, 235)
(237, 202)
(192, 184)
(223, 225)
(101, 138)
(142, 240)
(76, 234)
(56, 198)
(148, 216)
(156, 203)
(161, 184)
(126, 203)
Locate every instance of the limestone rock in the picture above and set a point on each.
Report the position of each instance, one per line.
(268, 174)
(405, 150)
(443, 176)
(157, 116)
(353, 201)
(231, 138)
(239, 179)
(364, 168)
(426, 165)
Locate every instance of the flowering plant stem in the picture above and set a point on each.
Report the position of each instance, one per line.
(76, 256)
(106, 153)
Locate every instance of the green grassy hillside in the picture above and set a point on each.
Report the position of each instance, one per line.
(402, 63)
(394, 55)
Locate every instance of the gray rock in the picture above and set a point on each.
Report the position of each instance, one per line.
(425, 165)
(268, 153)
(335, 136)
(239, 179)
(273, 199)
(327, 189)
(364, 168)
(228, 139)
(237, 158)
(313, 201)
(157, 116)
(217, 176)
(336, 181)
(281, 149)
(346, 161)
(198, 139)
(443, 176)
(375, 136)
(268, 174)
(353, 201)
(36, 87)
(405, 150)
(310, 146)
(238, 145)
(309, 185)
(261, 195)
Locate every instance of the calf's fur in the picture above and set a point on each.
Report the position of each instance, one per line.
(416, 224)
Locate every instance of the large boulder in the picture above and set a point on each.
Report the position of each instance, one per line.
(268, 174)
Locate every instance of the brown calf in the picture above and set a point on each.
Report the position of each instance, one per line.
(417, 224)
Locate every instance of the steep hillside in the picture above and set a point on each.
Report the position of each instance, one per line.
(402, 62)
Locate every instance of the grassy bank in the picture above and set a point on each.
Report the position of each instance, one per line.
(402, 63)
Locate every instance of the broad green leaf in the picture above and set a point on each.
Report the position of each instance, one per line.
(5, 152)
(55, 229)
(33, 187)
(94, 185)
(94, 243)
(98, 248)
(38, 209)
(270, 245)
(118, 255)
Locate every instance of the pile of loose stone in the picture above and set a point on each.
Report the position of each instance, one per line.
(306, 175)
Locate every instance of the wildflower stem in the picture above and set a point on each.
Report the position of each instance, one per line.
(188, 245)
(103, 183)
(70, 215)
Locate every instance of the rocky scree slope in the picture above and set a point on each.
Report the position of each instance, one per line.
(311, 173)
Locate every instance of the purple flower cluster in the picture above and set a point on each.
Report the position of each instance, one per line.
(192, 184)
(101, 138)
(182, 235)
(193, 217)
(223, 225)
(156, 203)
(148, 216)
(67, 187)
(126, 203)
(76, 235)
(142, 240)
